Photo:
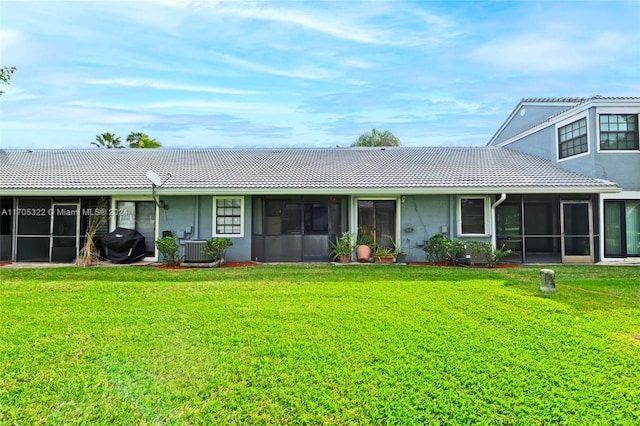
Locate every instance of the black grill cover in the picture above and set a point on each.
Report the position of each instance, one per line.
(123, 245)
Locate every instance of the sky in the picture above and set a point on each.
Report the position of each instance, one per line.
(217, 74)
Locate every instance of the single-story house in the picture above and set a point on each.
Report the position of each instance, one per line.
(286, 205)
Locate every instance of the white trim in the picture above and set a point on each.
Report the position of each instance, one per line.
(623, 195)
(353, 219)
(616, 111)
(566, 122)
(569, 112)
(494, 219)
(242, 216)
(487, 215)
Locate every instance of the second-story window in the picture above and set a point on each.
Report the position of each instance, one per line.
(572, 139)
(618, 132)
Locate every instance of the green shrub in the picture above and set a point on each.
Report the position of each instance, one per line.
(486, 252)
(216, 247)
(437, 248)
(168, 247)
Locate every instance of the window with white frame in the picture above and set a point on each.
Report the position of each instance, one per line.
(473, 216)
(228, 216)
(618, 132)
(572, 139)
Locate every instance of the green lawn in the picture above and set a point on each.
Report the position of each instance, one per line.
(319, 344)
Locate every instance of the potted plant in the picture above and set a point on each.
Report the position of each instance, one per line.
(342, 247)
(401, 256)
(383, 254)
(363, 246)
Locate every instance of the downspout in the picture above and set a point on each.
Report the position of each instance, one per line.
(499, 201)
(196, 219)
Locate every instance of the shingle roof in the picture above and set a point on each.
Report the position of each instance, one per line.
(269, 169)
(571, 103)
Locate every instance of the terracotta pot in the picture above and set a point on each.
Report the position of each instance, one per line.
(384, 259)
(344, 258)
(364, 253)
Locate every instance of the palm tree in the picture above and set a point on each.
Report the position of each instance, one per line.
(377, 138)
(142, 140)
(107, 140)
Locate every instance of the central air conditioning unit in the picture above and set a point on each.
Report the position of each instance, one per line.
(193, 252)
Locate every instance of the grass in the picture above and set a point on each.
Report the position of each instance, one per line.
(319, 344)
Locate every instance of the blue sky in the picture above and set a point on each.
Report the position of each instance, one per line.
(301, 74)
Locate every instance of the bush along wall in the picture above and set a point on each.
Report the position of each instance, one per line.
(439, 248)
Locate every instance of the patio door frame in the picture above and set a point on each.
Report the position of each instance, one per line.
(573, 258)
(61, 209)
(355, 223)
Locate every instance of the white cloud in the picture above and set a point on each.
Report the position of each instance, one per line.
(80, 114)
(254, 108)
(305, 72)
(326, 23)
(8, 38)
(15, 94)
(359, 63)
(549, 51)
(162, 85)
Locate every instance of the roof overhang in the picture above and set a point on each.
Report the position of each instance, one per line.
(313, 191)
(556, 118)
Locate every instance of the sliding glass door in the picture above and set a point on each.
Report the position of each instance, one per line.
(622, 228)
(377, 221)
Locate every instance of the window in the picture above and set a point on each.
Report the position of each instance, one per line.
(227, 216)
(572, 139)
(473, 216)
(618, 131)
(622, 228)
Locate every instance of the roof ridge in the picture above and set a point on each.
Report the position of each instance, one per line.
(555, 100)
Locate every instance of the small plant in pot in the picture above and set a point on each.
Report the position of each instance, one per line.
(383, 254)
(216, 247)
(364, 242)
(342, 247)
(401, 256)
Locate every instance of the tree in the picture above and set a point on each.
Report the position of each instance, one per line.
(135, 140)
(5, 75)
(107, 140)
(142, 140)
(377, 138)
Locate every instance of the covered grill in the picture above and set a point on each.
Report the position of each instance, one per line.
(123, 245)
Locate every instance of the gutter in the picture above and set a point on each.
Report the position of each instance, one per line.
(265, 190)
(499, 201)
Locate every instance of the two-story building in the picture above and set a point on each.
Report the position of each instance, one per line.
(596, 137)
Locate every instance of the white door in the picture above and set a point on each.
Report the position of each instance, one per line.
(577, 231)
